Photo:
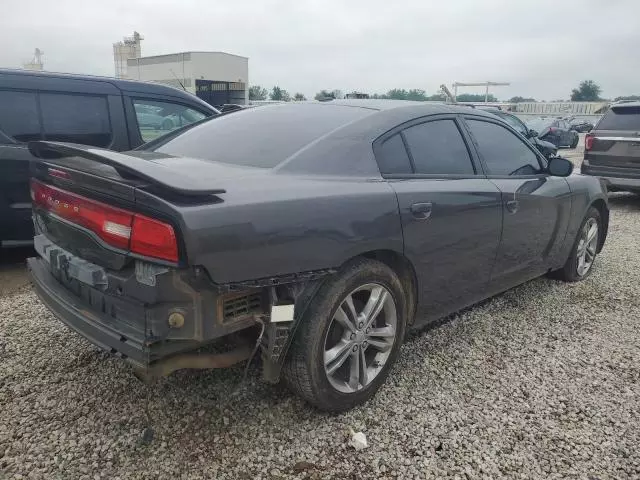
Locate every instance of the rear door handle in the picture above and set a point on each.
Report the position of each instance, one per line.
(512, 206)
(421, 211)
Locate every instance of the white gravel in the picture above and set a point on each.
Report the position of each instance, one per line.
(541, 382)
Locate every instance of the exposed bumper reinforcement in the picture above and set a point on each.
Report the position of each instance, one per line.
(125, 342)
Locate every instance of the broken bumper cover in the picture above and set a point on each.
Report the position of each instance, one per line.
(127, 343)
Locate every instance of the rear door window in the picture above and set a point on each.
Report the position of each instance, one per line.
(19, 115)
(76, 118)
(437, 147)
(156, 118)
(626, 118)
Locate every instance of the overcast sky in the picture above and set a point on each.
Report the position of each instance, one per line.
(543, 47)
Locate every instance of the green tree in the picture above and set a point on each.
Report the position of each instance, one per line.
(474, 97)
(299, 97)
(587, 91)
(417, 95)
(397, 94)
(438, 97)
(518, 99)
(256, 92)
(279, 94)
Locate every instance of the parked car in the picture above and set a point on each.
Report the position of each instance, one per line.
(322, 231)
(580, 126)
(103, 112)
(547, 149)
(554, 130)
(612, 148)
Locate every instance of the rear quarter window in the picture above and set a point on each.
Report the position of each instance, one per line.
(627, 118)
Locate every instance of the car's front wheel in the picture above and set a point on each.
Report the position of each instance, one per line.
(349, 337)
(583, 255)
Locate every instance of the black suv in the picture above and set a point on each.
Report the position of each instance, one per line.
(612, 148)
(102, 112)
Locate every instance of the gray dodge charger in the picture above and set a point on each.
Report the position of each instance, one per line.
(312, 234)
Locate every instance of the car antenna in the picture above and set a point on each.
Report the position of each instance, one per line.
(174, 74)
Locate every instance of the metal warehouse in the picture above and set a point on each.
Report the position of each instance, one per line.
(216, 77)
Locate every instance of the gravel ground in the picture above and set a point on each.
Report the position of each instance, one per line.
(540, 382)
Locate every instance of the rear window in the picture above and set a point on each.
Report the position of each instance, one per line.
(626, 118)
(261, 136)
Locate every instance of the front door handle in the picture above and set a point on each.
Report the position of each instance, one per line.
(512, 206)
(421, 211)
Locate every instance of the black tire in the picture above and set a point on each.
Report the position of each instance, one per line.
(304, 370)
(575, 141)
(570, 271)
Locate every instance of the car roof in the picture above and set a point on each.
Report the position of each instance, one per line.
(430, 108)
(128, 85)
(625, 104)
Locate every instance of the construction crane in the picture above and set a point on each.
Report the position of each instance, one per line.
(36, 62)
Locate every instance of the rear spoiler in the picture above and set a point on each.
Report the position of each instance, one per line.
(146, 170)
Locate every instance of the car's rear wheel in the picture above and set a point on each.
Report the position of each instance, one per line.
(575, 141)
(580, 263)
(349, 337)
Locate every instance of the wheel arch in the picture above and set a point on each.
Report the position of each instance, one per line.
(406, 272)
(394, 260)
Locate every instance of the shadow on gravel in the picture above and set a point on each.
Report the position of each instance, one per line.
(13, 274)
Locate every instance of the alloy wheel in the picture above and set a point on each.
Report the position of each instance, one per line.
(360, 338)
(587, 246)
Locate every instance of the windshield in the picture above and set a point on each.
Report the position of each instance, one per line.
(261, 136)
(539, 124)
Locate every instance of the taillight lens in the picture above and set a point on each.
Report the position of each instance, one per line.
(153, 238)
(118, 228)
(588, 141)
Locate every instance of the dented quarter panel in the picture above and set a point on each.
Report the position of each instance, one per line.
(283, 224)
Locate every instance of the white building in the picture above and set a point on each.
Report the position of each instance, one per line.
(216, 77)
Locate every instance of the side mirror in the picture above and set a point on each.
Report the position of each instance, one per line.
(532, 133)
(559, 167)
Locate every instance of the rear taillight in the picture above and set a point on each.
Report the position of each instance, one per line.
(119, 228)
(588, 141)
(152, 238)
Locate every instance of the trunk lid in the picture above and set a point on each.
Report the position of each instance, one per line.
(91, 202)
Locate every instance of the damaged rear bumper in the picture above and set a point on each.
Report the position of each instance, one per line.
(98, 329)
(150, 356)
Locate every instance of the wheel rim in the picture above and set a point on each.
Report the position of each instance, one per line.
(587, 246)
(360, 338)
